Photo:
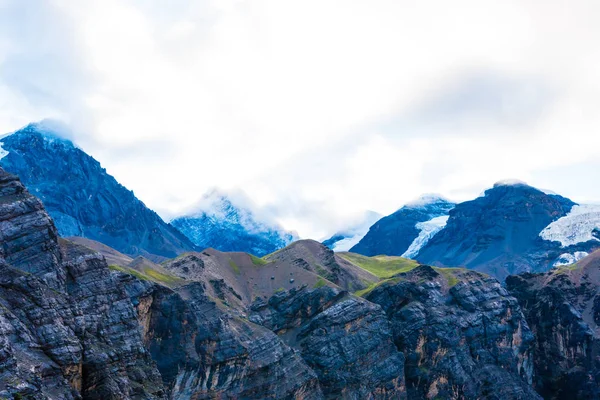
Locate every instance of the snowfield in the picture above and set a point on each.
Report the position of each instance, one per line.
(575, 227)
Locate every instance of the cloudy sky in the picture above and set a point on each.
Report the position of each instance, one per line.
(316, 110)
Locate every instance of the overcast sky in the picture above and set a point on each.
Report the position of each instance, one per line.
(316, 110)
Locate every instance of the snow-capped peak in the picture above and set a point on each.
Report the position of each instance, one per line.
(426, 199)
(51, 132)
(510, 182)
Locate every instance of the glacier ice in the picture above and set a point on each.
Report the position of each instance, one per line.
(575, 227)
(427, 229)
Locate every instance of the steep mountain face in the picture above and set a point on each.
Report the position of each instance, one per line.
(222, 225)
(345, 239)
(204, 351)
(83, 199)
(500, 233)
(346, 340)
(404, 232)
(463, 335)
(67, 328)
(562, 307)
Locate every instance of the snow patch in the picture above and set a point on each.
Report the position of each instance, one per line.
(3, 153)
(575, 227)
(568, 259)
(354, 234)
(428, 229)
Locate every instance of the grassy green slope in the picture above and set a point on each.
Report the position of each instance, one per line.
(381, 266)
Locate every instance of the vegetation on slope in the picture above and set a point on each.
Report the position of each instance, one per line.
(381, 266)
(152, 275)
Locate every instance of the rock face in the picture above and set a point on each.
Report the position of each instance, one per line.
(67, 328)
(462, 334)
(83, 199)
(204, 352)
(222, 225)
(394, 234)
(562, 308)
(345, 339)
(499, 233)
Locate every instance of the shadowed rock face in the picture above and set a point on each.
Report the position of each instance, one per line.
(345, 339)
(562, 307)
(203, 352)
(83, 199)
(462, 334)
(67, 328)
(28, 236)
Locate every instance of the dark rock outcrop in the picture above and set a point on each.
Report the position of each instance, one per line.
(83, 199)
(205, 352)
(562, 308)
(68, 329)
(345, 339)
(463, 335)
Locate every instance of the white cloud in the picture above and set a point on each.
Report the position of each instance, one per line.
(317, 110)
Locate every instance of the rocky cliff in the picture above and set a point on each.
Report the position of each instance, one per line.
(83, 199)
(463, 335)
(68, 329)
(562, 307)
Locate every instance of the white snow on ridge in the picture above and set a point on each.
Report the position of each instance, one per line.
(568, 259)
(575, 227)
(510, 182)
(3, 153)
(426, 199)
(428, 230)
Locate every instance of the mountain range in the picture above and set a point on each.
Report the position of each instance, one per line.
(85, 201)
(300, 323)
(511, 228)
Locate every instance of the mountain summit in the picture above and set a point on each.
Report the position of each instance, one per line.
(499, 232)
(221, 223)
(82, 198)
